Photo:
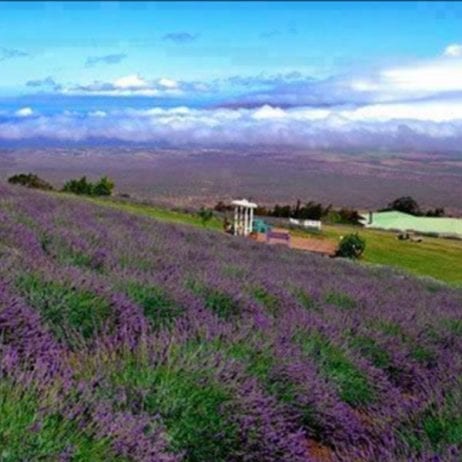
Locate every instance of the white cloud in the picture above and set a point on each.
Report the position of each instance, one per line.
(403, 83)
(365, 85)
(413, 81)
(420, 78)
(434, 111)
(432, 77)
(453, 50)
(268, 112)
(425, 126)
(97, 114)
(24, 112)
(133, 85)
(130, 82)
(168, 83)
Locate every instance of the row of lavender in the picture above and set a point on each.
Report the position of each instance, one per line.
(122, 338)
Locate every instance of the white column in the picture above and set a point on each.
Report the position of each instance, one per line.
(245, 221)
(248, 221)
(235, 220)
(239, 232)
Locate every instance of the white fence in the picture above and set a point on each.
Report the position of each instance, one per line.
(308, 224)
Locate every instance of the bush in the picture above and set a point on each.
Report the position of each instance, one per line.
(104, 187)
(205, 215)
(31, 181)
(351, 246)
(344, 216)
(71, 314)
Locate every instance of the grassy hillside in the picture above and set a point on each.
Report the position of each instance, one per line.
(434, 257)
(125, 338)
(159, 213)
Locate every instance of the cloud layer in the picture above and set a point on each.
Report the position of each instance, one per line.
(373, 127)
(413, 106)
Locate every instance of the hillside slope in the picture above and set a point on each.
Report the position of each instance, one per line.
(124, 338)
(437, 258)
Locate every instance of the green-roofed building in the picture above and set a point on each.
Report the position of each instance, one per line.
(398, 221)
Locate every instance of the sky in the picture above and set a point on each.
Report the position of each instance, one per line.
(312, 74)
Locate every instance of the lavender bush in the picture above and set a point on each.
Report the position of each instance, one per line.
(122, 338)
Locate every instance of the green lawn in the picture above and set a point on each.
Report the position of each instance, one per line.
(159, 213)
(436, 257)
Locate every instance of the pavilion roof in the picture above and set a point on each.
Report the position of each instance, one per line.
(244, 203)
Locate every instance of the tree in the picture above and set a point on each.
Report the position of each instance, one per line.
(349, 216)
(351, 246)
(311, 211)
(297, 208)
(205, 215)
(262, 211)
(405, 204)
(31, 181)
(81, 186)
(222, 207)
(104, 187)
(438, 212)
(344, 216)
(283, 211)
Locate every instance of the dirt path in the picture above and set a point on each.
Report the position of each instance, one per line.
(323, 246)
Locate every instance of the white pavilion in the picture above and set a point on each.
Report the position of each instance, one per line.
(243, 217)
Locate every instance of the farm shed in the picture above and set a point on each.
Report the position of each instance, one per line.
(394, 220)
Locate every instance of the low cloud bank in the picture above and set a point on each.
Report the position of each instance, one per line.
(435, 126)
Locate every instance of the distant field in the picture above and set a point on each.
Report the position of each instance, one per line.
(435, 257)
(196, 177)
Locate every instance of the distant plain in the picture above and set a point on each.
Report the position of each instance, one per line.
(195, 177)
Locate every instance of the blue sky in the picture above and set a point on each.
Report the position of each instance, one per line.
(275, 63)
(235, 38)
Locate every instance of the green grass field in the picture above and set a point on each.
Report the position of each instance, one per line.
(435, 257)
(158, 213)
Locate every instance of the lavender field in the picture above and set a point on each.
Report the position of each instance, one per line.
(127, 339)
